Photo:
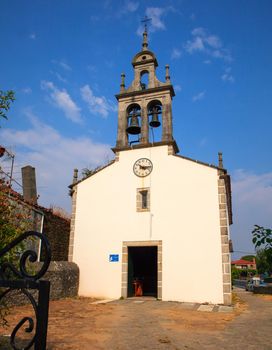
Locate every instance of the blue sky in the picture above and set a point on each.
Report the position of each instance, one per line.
(64, 59)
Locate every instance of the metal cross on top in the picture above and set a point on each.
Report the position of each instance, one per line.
(145, 21)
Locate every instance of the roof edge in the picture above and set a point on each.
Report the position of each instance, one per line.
(201, 163)
(97, 170)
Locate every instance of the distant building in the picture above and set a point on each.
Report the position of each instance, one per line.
(152, 222)
(244, 264)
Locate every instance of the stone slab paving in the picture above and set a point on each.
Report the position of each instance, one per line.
(225, 309)
(183, 305)
(189, 306)
(105, 301)
(206, 308)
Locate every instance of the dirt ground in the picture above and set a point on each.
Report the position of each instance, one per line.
(78, 324)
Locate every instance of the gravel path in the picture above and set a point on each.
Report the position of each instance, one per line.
(81, 324)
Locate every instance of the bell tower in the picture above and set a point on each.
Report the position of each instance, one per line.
(145, 104)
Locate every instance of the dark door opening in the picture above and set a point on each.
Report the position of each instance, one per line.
(143, 270)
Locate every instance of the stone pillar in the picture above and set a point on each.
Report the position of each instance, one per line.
(29, 184)
(224, 230)
(220, 160)
(144, 126)
(122, 140)
(167, 76)
(151, 71)
(137, 79)
(166, 120)
(75, 176)
(72, 227)
(122, 85)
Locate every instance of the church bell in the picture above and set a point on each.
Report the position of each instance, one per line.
(134, 127)
(155, 123)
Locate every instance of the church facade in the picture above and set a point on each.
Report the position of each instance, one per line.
(152, 222)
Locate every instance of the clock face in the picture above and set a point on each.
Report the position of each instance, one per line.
(142, 167)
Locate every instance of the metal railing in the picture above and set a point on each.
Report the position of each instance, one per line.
(16, 276)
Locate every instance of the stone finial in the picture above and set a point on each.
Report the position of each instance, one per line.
(220, 160)
(122, 85)
(167, 76)
(75, 177)
(145, 43)
(231, 246)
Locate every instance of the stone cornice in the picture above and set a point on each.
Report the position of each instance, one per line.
(146, 92)
(147, 145)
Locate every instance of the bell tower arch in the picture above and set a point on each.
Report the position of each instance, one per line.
(145, 104)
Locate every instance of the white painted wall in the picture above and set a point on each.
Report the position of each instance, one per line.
(184, 214)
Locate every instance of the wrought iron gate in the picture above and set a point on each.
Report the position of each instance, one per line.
(16, 276)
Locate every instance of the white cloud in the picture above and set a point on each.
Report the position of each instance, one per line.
(26, 90)
(60, 77)
(177, 88)
(213, 41)
(156, 15)
(97, 104)
(198, 32)
(130, 6)
(64, 65)
(176, 53)
(54, 157)
(199, 96)
(252, 204)
(210, 44)
(63, 101)
(227, 76)
(195, 45)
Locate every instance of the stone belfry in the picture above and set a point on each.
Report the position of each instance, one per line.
(145, 104)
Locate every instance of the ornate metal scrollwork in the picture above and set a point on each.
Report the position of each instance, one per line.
(17, 276)
(27, 255)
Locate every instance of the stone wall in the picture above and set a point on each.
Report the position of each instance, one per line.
(262, 289)
(57, 230)
(64, 282)
(64, 278)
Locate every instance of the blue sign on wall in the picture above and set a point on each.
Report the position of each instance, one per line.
(114, 258)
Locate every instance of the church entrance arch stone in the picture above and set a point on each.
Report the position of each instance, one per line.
(142, 268)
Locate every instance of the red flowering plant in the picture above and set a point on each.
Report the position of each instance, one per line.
(14, 220)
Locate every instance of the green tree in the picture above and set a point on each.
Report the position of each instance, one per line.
(14, 220)
(248, 257)
(235, 273)
(262, 239)
(263, 261)
(262, 236)
(85, 172)
(6, 98)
